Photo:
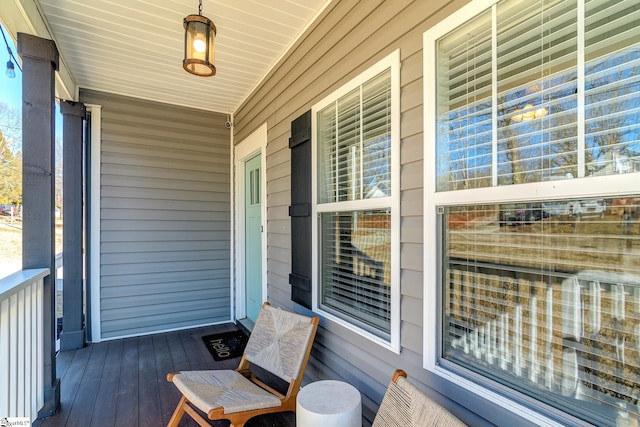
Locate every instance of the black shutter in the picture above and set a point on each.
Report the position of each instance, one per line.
(300, 210)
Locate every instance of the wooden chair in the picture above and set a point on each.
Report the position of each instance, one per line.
(280, 344)
(404, 405)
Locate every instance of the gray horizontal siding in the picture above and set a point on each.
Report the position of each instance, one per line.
(164, 218)
(343, 42)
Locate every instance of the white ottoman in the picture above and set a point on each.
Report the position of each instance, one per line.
(329, 403)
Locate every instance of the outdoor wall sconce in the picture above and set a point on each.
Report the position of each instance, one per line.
(199, 33)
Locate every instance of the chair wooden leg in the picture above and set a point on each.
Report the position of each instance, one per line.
(178, 413)
(196, 416)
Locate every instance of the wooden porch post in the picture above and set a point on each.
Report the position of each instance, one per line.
(39, 64)
(73, 329)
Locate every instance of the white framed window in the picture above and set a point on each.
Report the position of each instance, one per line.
(532, 206)
(356, 193)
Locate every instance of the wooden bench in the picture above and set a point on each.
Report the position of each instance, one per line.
(404, 405)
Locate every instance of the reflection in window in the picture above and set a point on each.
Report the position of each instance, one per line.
(356, 267)
(612, 98)
(510, 116)
(464, 138)
(544, 297)
(537, 115)
(354, 151)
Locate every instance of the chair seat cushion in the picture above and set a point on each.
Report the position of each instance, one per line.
(225, 389)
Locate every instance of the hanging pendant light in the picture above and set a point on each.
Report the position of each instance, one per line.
(11, 71)
(199, 33)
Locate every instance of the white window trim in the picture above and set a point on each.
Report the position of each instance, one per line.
(588, 187)
(391, 61)
(94, 221)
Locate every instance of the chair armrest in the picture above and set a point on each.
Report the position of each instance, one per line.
(397, 374)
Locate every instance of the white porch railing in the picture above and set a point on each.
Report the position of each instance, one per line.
(59, 279)
(21, 344)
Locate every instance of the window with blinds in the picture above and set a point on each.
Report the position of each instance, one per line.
(354, 144)
(540, 295)
(508, 109)
(354, 202)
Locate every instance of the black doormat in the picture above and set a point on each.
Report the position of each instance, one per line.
(226, 345)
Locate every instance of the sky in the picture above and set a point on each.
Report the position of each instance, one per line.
(11, 89)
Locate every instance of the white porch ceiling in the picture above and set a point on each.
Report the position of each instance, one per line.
(135, 47)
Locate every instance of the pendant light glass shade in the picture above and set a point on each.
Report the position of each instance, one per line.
(199, 34)
(11, 71)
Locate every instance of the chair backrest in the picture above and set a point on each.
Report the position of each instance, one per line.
(280, 341)
(404, 405)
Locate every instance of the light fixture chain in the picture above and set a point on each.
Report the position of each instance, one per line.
(200, 8)
(11, 56)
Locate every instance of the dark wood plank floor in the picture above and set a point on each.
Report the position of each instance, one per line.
(122, 383)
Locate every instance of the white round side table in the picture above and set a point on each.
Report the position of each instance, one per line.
(329, 403)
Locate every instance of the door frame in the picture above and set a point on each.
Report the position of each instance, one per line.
(94, 308)
(252, 145)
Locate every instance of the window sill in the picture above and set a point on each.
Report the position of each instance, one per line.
(496, 398)
(392, 345)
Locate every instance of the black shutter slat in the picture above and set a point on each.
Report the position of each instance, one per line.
(301, 135)
(300, 210)
(300, 282)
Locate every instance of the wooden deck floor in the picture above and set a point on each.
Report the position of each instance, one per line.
(122, 383)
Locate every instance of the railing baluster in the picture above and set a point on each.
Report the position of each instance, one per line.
(21, 344)
(4, 355)
(13, 355)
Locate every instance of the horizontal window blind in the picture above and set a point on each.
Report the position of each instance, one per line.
(354, 145)
(464, 87)
(612, 87)
(327, 153)
(534, 135)
(537, 97)
(535, 39)
(544, 297)
(354, 164)
(356, 267)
